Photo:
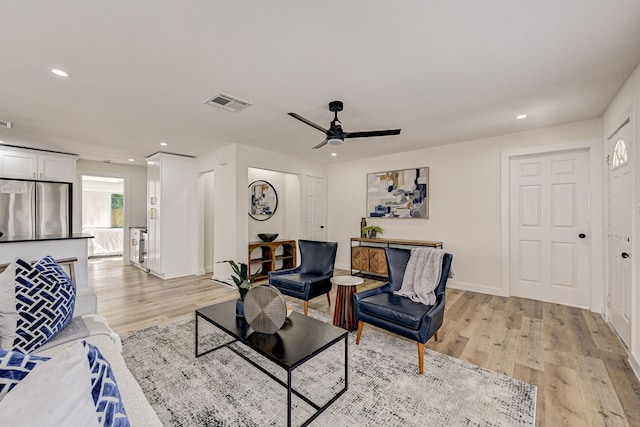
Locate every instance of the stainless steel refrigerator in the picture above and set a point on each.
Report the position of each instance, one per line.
(32, 209)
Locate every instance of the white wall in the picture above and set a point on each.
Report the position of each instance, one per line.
(628, 101)
(465, 199)
(135, 193)
(205, 202)
(231, 220)
(287, 214)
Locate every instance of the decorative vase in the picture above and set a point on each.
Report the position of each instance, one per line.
(372, 234)
(239, 308)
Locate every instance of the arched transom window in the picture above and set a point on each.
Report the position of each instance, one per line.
(620, 155)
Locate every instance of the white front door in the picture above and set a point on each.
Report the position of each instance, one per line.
(314, 208)
(549, 227)
(619, 233)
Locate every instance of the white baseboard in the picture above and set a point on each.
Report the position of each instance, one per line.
(343, 266)
(476, 288)
(635, 365)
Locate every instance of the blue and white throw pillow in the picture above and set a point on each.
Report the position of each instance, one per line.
(44, 305)
(14, 366)
(52, 271)
(104, 390)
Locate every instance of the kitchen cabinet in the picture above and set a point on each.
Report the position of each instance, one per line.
(171, 215)
(24, 163)
(368, 256)
(271, 256)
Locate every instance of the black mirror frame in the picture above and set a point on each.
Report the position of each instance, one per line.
(275, 193)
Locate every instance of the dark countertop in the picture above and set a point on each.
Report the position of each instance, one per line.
(73, 236)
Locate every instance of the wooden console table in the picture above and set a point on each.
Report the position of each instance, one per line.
(267, 258)
(368, 257)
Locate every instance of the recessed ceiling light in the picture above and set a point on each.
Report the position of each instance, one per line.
(60, 73)
(334, 154)
(164, 144)
(521, 116)
(131, 160)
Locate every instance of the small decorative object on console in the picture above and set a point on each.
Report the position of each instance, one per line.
(268, 237)
(371, 231)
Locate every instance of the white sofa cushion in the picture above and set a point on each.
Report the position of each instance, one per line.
(56, 393)
(8, 313)
(139, 411)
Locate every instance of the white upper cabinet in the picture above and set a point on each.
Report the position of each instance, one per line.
(39, 165)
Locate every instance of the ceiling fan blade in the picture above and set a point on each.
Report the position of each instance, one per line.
(303, 120)
(368, 134)
(322, 144)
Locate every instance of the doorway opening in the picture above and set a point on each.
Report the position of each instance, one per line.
(103, 207)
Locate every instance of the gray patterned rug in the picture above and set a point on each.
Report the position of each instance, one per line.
(385, 389)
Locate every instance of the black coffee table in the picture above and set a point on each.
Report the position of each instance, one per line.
(299, 340)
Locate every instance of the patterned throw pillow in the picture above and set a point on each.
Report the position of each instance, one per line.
(104, 390)
(44, 302)
(14, 366)
(52, 271)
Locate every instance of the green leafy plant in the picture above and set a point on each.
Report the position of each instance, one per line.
(241, 279)
(371, 230)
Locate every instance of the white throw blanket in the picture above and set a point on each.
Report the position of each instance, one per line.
(422, 275)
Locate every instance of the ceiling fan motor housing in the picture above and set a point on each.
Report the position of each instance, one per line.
(336, 106)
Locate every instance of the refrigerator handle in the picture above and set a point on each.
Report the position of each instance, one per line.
(142, 250)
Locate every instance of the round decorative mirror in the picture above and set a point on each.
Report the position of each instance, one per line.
(263, 200)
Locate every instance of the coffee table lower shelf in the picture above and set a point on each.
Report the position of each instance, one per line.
(288, 367)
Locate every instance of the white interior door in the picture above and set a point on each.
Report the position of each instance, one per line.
(549, 227)
(314, 208)
(619, 233)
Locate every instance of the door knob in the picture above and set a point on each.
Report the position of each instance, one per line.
(582, 235)
(624, 255)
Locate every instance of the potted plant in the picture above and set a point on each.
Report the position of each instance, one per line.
(371, 231)
(241, 281)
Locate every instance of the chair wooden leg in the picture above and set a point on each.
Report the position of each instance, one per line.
(436, 336)
(328, 299)
(421, 357)
(306, 308)
(360, 325)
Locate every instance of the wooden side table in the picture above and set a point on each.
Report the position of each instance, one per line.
(344, 315)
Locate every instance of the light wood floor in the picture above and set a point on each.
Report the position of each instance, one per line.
(570, 354)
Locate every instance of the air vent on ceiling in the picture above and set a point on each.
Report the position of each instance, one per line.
(227, 102)
(5, 124)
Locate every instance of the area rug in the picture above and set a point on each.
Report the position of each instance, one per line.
(385, 389)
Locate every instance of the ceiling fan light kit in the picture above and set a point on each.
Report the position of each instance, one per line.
(335, 134)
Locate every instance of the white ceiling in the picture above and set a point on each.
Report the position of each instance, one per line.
(443, 71)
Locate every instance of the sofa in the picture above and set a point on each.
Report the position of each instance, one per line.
(88, 327)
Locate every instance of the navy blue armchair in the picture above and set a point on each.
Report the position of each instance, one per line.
(400, 315)
(313, 277)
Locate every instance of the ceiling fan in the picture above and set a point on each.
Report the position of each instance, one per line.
(335, 134)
